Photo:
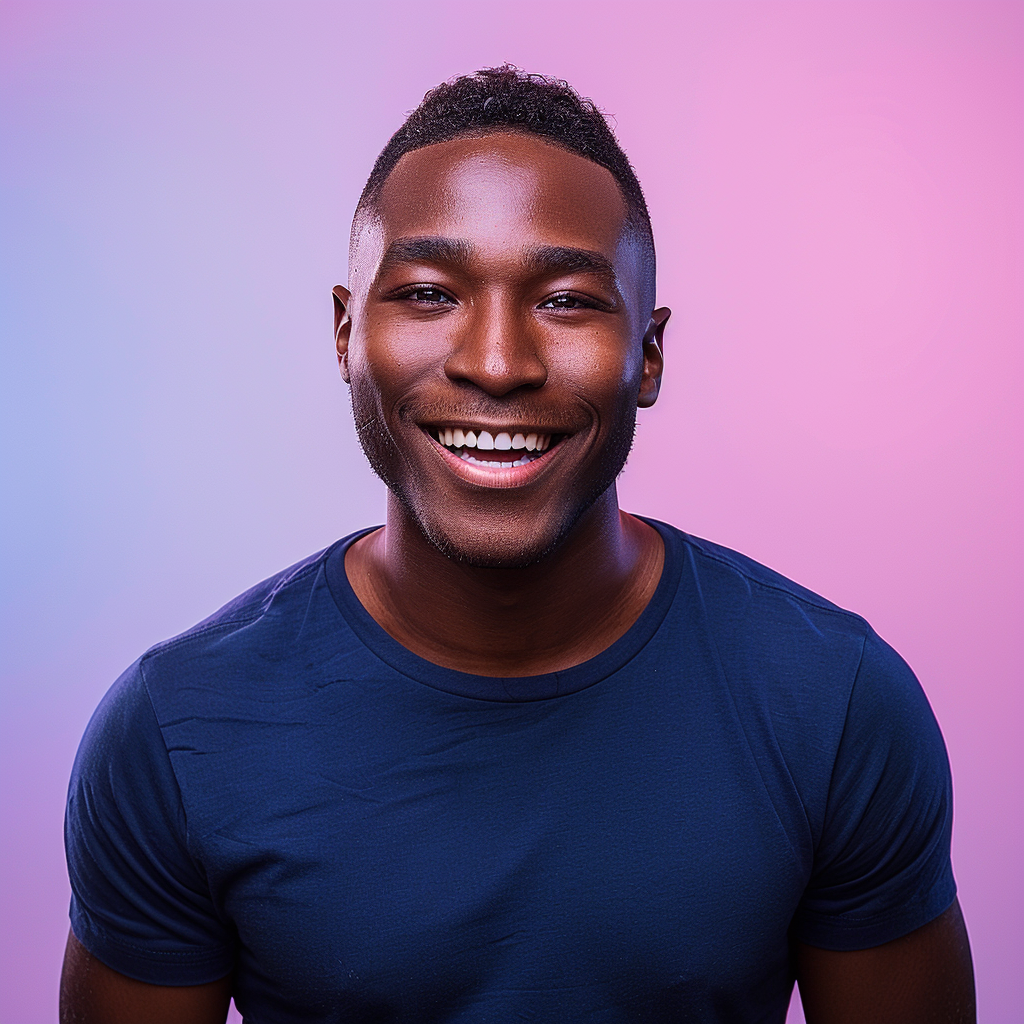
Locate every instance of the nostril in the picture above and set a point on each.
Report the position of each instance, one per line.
(497, 376)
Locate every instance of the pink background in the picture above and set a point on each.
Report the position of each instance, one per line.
(836, 196)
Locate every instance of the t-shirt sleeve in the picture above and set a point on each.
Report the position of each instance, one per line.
(882, 865)
(140, 902)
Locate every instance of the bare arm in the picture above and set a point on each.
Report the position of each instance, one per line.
(92, 993)
(925, 977)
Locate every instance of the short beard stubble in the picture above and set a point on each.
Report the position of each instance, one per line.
(382, 454)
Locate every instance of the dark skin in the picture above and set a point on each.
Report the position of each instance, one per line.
(91, 993)
(493, 337)
(496, 285)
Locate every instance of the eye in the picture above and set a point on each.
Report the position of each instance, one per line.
(428, 294)
(566, 301)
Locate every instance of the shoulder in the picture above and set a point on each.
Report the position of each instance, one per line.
(290, 615)
(190, 710)
(799, 669)
(741, 584)
(830, 708)
(270, 597)
(129, 721)
(761, 621)
(757, 612)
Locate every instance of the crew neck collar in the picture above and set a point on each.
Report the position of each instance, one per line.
(507, 688)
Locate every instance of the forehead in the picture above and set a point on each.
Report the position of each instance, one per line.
(502, 192)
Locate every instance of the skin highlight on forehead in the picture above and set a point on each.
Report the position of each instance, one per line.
(479, 187)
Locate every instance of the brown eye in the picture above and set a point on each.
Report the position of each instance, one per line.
(428, 294)
(564, 302)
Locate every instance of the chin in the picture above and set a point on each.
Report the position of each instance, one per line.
(508, 547)
(482, 535)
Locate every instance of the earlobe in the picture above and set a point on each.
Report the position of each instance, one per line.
(654, 359)
(342, 326)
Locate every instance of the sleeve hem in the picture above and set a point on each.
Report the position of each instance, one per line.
(850, 934)
(154, 967)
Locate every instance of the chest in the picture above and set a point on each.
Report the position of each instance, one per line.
(467, 859)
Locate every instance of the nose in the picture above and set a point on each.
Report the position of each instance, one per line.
(497, 349)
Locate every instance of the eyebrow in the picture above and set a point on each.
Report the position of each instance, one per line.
(425, 250)
(544, 259)
(562, 259)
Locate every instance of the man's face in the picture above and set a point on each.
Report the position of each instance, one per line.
(499, 342)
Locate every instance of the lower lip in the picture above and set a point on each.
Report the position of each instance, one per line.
(491, 476)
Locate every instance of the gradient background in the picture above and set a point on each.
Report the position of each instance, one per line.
(835, 190)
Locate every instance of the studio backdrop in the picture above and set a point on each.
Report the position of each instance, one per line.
(835, 191)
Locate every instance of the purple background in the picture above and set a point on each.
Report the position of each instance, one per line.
(836, 195)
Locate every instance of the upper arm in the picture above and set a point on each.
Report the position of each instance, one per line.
(924, 977)
(92, 993)
(879, 935)
(141, 900)
(881, 866)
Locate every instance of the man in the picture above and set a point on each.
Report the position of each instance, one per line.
(517, 754)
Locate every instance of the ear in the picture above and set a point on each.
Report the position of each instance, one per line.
(342, 326)
(654, 359)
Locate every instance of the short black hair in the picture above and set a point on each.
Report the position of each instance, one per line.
(506, 99)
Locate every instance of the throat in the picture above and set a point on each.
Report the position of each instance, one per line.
(544, 618)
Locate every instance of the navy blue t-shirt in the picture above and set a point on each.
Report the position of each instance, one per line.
(360, 835)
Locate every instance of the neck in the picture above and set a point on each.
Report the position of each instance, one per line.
(546, 617)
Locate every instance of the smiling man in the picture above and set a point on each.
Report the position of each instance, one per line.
(517, 754)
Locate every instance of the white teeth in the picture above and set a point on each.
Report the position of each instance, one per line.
(525, 460)
(503, 441)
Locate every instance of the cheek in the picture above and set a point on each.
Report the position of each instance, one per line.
(369, 382)
(605, 372)
(378, 367)
(401, 354)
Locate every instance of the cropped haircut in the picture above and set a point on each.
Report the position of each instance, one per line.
(505, 99)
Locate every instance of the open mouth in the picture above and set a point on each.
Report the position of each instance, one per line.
(504, 449)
